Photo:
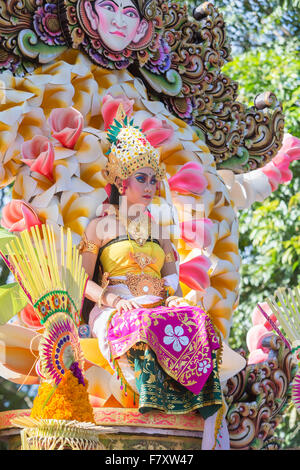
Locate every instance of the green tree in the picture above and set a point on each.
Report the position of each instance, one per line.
(270, 231)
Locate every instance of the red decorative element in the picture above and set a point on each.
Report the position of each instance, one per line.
(38, 154)
(66, 125)
(110, 107)
(30, 318)
(189, 179)
(18, 215)
(194, 273)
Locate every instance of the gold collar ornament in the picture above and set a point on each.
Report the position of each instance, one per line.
(138, 229)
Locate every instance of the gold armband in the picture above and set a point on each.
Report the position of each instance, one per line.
(170, 257)
(87, 246)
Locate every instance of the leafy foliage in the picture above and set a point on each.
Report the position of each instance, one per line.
(270, 232)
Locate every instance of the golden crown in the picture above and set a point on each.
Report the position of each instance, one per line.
(130, 150)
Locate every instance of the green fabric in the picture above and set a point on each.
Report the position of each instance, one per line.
(12, 300)
(157, 390)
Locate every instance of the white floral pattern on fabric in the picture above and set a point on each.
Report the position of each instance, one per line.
(204, 366)
(176, 337)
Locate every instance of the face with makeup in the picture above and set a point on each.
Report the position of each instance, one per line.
(117, 22)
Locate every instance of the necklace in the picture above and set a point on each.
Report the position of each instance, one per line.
(138, 228)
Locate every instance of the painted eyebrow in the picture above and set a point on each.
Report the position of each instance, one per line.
(107, 1)
(144, 174)
(112, 1)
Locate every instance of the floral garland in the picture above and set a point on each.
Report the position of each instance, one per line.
(69, 402)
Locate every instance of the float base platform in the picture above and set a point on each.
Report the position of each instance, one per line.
(131, 430)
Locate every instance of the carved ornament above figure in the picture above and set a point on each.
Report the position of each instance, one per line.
(179, 58)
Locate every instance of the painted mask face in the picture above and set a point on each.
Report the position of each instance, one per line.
(117, 22)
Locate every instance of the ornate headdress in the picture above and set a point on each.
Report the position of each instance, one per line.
(130, 150)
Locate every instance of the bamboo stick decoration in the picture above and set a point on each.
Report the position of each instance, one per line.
(285, 304)
(32, 258)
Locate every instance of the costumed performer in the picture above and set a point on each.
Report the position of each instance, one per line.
(163, 349)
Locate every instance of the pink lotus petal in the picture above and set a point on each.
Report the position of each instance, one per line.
(194, 274)
(66, 125)
(289, 142)
(157, 132)
(257, 356)
(110, 107)
(294, 153)
(277, 171)
(189, 179)
(197, 233)
(150, 124)
(257, 316)
(38, 154)
(253, 336)
(18, 215)
(259, 319)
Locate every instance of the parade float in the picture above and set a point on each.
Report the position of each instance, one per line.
(81, 81)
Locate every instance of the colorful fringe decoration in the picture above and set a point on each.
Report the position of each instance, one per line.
(51, 285)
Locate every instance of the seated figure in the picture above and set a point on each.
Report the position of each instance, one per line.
(165, 352)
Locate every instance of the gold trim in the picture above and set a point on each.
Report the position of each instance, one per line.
(137, 283)
(86, 246)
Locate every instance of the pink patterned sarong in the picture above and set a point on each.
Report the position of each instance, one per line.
(182, 338)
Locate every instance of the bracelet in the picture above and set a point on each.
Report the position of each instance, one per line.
(181, 299)
(116, 301)
(99, 301)
(169, 299)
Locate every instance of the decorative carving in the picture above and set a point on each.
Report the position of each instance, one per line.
(179, 58)
(257, 396)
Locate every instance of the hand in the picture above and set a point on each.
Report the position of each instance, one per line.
(125, 305)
